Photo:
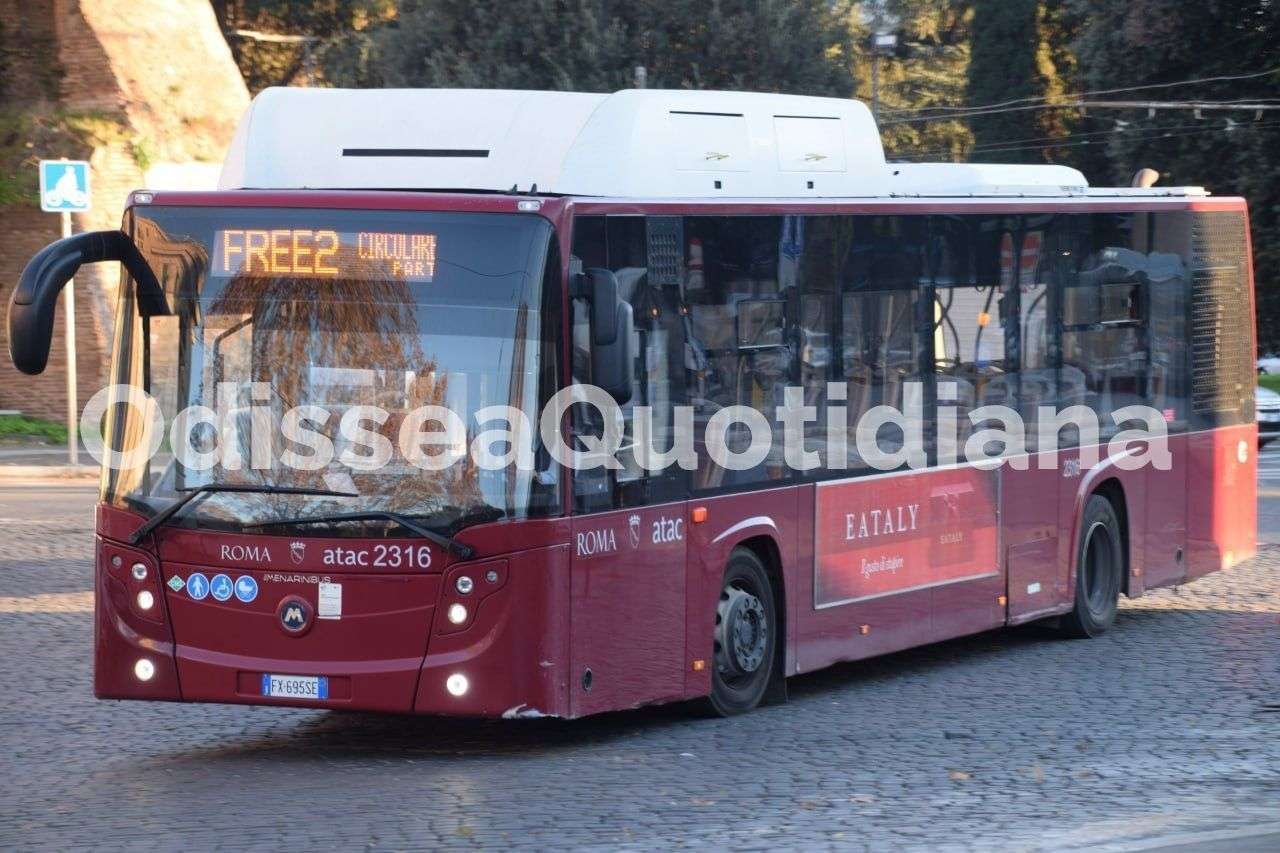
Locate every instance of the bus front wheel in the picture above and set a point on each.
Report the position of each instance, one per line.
(1099, 571)
(746, 636)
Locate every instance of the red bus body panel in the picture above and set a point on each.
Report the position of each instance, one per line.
(630, 595)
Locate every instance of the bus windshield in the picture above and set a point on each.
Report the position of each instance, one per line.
(299, 348)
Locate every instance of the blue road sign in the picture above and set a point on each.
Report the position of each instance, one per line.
(64, 186)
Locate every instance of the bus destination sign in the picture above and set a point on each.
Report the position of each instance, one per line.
(324, 253)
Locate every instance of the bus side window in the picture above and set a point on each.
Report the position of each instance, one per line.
(740, 302)
(1169, 239)
(1104, 334)
(974, 285)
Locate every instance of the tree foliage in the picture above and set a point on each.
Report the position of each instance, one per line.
(928, 71)
(1019, 54)
(952, 53)
(1147, 41)
(798, 46)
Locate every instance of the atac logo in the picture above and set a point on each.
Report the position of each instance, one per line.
(295, 615)
(634, 529)
(298, 552)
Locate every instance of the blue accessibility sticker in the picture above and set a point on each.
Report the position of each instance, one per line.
(220, 587)
(246, 588)
(198, 586)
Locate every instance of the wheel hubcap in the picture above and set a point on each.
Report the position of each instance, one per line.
(742, 634)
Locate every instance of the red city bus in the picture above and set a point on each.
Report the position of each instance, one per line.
(773, 253)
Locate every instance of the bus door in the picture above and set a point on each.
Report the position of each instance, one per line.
(627, 623)
(627, 628)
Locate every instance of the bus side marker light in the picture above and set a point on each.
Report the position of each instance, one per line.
(699, 665)
(864, 629)
(699, 514)
(1002, 600)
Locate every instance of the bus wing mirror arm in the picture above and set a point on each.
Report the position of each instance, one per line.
(31, 308)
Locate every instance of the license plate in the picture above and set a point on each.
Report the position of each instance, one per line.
(295, 686)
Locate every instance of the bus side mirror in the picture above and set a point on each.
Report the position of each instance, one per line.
(31, 308)
(610, 332)
(600, 288)
(611, 365)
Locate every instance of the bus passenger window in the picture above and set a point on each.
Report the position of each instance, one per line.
(1104, 335)
(740, 298)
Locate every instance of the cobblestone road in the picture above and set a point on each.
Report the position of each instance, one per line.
(1014, 739)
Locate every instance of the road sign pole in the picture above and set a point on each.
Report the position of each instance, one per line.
(69, 310)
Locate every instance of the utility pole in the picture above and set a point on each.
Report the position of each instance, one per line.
(69, 311)
(882, 44)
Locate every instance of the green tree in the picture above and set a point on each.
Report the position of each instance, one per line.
(1017, 48)
(1144, 42)
(926, 73)
(281, 43)
(800, 46)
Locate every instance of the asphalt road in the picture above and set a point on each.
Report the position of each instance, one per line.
(1162, 734)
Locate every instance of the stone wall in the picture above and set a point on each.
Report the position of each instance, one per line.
(158, 76)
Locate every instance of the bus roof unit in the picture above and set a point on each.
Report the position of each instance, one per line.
(654, 144)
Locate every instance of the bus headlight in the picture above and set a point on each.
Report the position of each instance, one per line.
(457, 614)
(145, 600)
(139, 572)
(464, 584)
(457, 684)
(144, 669)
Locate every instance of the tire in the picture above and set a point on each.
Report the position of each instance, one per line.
(745, 642)
(1100, 566)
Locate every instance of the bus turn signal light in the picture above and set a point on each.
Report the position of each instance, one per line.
(699, 514)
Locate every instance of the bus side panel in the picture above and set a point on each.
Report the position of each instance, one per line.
(1222, 498)
(890, 551)
(773, 515)
(1028, 507)
(1165, 513)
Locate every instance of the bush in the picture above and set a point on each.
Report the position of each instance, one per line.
(18, 426)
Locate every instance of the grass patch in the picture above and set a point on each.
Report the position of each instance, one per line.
(21, 426)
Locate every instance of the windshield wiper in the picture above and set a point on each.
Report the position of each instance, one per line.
(216, 488)
(466, 552)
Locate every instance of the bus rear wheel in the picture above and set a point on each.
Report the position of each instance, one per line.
(1100, 567)
(746, 636)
